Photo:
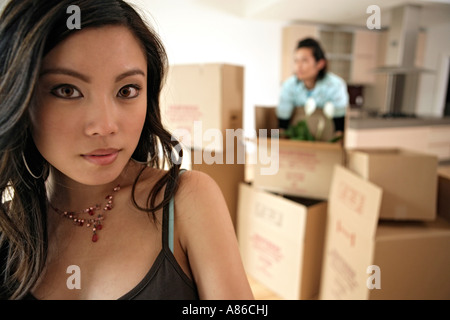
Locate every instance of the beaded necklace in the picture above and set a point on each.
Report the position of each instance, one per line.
(94, 222)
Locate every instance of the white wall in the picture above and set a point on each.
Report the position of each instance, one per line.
(193, 33)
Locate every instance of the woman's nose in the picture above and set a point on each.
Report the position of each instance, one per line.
(101, 119)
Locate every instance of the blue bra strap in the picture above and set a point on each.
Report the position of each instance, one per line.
(171, 219)
(171, 222)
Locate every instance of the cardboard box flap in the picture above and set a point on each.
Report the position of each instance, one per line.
(355, 201)
(279, 213)
(273, 211)
(281, 241)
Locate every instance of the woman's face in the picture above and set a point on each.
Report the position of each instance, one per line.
(306, 67)
(91, 103)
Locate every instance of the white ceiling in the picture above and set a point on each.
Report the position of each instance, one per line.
(352, 12)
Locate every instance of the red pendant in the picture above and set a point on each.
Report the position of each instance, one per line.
(94, 237)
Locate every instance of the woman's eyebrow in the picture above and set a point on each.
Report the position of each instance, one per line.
(87, 79)
(130, 73)
(68, 72)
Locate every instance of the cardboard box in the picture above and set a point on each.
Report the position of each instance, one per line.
(365, 258)
(443, 200)
(200, 97)
(266, 118)
(408, 180)
(228, 176)
(281, 241)
(304, 168)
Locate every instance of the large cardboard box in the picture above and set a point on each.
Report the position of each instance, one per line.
(365, 258)
(199, 97)
(228, 176)
(281, 241)
(408, 180)
(292, 167)
(304, 168)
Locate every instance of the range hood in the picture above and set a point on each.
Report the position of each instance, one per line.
(402, 41)
(402, 74)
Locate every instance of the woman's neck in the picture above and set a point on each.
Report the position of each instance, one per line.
(67, 194)
(77, 197)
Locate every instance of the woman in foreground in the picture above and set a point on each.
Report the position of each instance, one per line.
(85, 187)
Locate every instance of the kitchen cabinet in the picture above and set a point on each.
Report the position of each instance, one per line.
(365, 55)
(338, 47)
(420, 48)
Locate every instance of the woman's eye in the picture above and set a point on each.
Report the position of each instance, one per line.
(129, 92)
(66, 92)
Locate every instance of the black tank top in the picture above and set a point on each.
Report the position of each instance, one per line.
(165, 280)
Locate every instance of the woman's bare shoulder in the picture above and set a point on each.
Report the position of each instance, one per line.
(192, 185)
(193, 180)
(198, 189)
(207, 234)
(200, 205)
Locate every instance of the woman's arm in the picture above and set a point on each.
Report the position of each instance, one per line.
(207, 235)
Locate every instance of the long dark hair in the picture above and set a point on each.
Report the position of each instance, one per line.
(317, 52)
(29, 29)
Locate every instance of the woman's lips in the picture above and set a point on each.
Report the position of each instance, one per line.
(102, 157)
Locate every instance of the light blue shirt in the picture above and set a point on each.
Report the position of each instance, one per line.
(331, 88)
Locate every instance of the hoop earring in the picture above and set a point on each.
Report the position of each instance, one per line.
(28, 168)
(145, 162)
(139, 162)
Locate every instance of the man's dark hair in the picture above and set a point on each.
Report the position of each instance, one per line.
(317, 52)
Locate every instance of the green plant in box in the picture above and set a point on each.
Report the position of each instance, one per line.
(300, 131)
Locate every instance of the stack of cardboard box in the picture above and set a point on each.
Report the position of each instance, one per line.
(200, 105)
(282, 214)
(375, 228)
(384, 238)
